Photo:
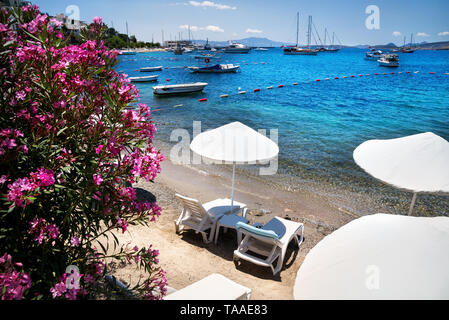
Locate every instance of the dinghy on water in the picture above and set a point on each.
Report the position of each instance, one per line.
(144, 79)
(151, 69)
(218, 68)
(179, 88)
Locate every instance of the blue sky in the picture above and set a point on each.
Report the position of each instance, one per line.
(230, 19)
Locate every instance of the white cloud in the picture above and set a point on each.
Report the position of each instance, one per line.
(249, 30)
(192, 28)
(444, 33)
(211, 5)
(396, 33)
(196, 28)
(214, 29)
(422, 34)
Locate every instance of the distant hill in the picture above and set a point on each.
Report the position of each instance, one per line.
(265, 42)
(442, 45)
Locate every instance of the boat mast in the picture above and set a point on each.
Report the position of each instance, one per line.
(297, 28)
(333, 35)
(325, 32)
(309, 31)
(127, 35)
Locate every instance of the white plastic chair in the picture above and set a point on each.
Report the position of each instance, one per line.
(201, 217)
(270, 241)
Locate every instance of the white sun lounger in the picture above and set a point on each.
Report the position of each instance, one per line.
(202, 217)
(270, 241)
(213, 287)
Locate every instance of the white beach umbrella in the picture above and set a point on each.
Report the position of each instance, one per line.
(234, 143)
(418, 163)
(379, 257)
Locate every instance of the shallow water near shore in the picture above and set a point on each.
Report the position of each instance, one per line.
(319, 123)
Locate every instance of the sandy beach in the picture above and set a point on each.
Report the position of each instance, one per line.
(187, 259)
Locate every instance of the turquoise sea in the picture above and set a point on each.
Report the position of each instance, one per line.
(320, 123)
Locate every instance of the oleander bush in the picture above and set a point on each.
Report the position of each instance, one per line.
(70, 151)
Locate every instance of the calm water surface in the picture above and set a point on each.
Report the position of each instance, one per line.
(319, 123)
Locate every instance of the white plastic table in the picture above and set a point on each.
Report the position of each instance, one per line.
(229, 221)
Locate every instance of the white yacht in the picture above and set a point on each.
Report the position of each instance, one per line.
(389, 60)
(179, 88)
(236, 48)
(373, 55)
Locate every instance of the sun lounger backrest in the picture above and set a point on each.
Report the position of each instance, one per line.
(193, 206)
(256, 231)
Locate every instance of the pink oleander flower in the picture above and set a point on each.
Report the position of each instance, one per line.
(97, 20)
(3, 27)
(97, 179)
(58, 290)
(98, 149)
(43, 231)
(13, 284)
(75, 241)
(61, 101)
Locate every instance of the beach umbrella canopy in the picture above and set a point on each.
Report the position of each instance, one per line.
(378, 257)
(418, 163)
(234, 143)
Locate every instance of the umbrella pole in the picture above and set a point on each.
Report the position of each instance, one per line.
(233, 178)
(412, 205)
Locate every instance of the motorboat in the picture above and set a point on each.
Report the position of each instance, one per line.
(151, 69)
(261, 49)
(389, 60)
(218, 68)
(373, 55)
(236, 48)
(144, 78)
(179, 88)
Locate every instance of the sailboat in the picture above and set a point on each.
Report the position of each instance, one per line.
(296, 50)
(332, 48)
(409, 49)
(127, 52)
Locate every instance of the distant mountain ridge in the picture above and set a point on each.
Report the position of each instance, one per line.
(440, 45)
(265, 42)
